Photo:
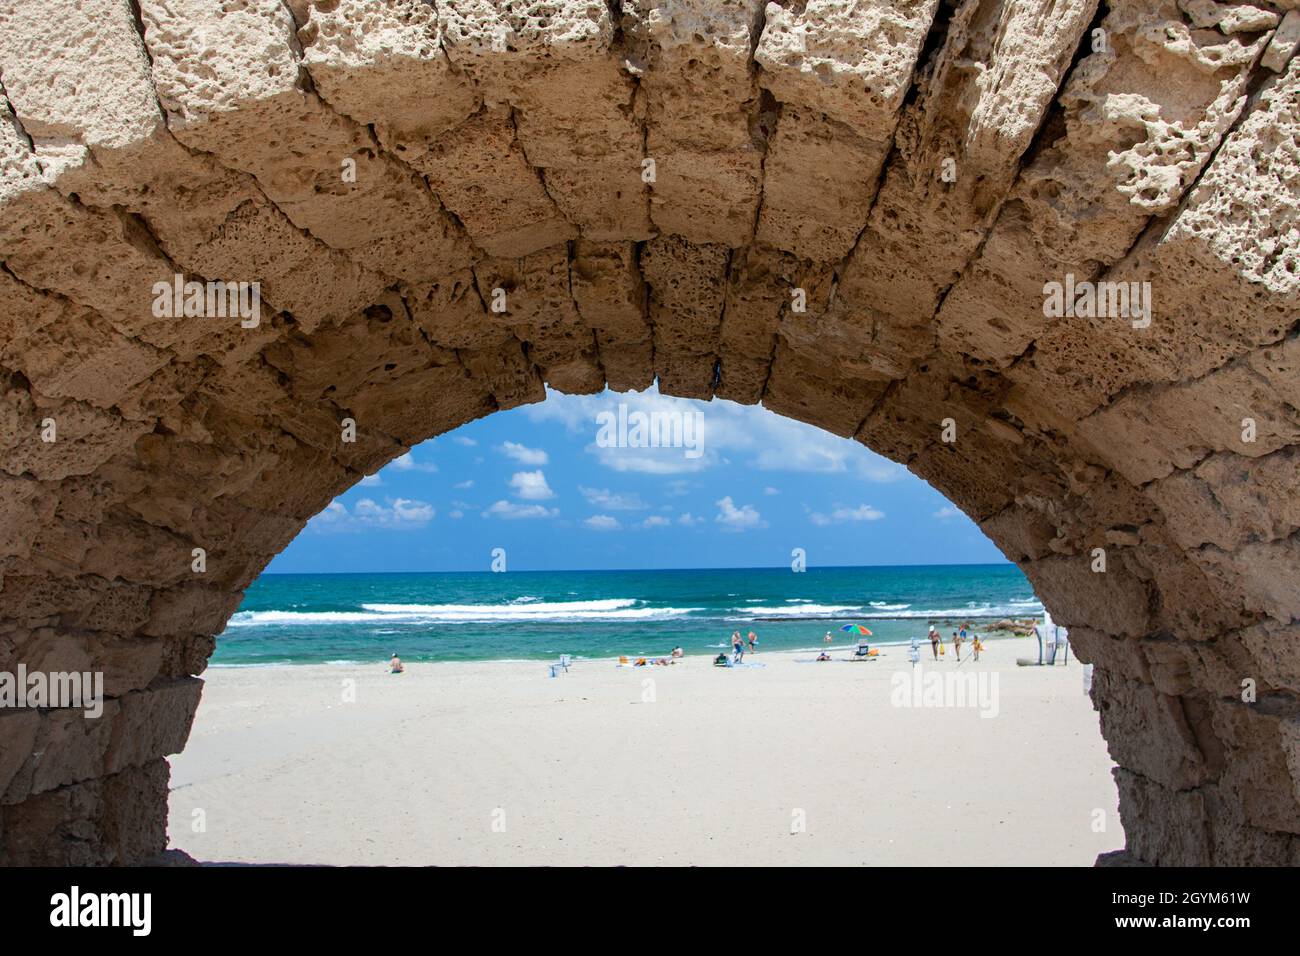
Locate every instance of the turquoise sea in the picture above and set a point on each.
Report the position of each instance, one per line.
(537, 615)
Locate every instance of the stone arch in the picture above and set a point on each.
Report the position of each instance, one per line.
(648, 184)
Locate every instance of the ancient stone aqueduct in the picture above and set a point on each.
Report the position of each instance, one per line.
(648, 182)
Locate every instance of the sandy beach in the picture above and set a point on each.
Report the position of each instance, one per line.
(789, 763)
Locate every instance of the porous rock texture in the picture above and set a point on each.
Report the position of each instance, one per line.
(844, 209)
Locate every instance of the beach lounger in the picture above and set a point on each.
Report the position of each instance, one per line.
(863, 653)
(563, 662)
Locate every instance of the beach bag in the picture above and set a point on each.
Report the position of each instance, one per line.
(941, 650)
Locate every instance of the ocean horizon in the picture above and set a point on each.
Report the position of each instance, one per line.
(349, 617)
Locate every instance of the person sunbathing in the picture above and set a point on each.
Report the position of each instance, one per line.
(395, 666)
(823, 656)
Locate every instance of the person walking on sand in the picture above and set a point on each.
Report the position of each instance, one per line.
(737, 648)
(934, 641)
(976, 646)
(958, 638)
(753, 642)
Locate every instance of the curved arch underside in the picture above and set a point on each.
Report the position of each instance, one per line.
(650, 187)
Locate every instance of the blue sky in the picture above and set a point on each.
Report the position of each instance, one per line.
(559, 487)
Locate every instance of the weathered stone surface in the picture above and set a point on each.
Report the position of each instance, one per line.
(1165, 824)
(959, 147)
(1114, 601)
(1152, 733)
(610, 296)
(384, 64)
(1284, 43)
(824, 54)
(762, 286)
(840, 69)
(1229, 499)
(107, 821)
(1233, 409)
(449, 206)
(531, 297)
(334, 182)
(132, 731)
(1139, 120)
(702, 115)
(573, 106)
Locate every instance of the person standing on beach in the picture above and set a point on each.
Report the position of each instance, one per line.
(934, 641)
(753, 642)
(737, 648)
(976, 646)
(958, 638)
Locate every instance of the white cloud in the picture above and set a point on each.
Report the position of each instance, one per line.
(397, 514)
(843, 515)
(579, 414)
(604, 498)
(371, 481)
(407, 463)
(737, 519)
(688, 519)
(602, 523)
(523, 454)
(946, 512)
(464, 440)
(531, 486)
(456, 514)
(334, 511)
(464, 485)
(769, 490)
(656, 521)
(750, 433)
(515, 512)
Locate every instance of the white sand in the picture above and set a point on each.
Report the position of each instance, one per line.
(581, 770)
